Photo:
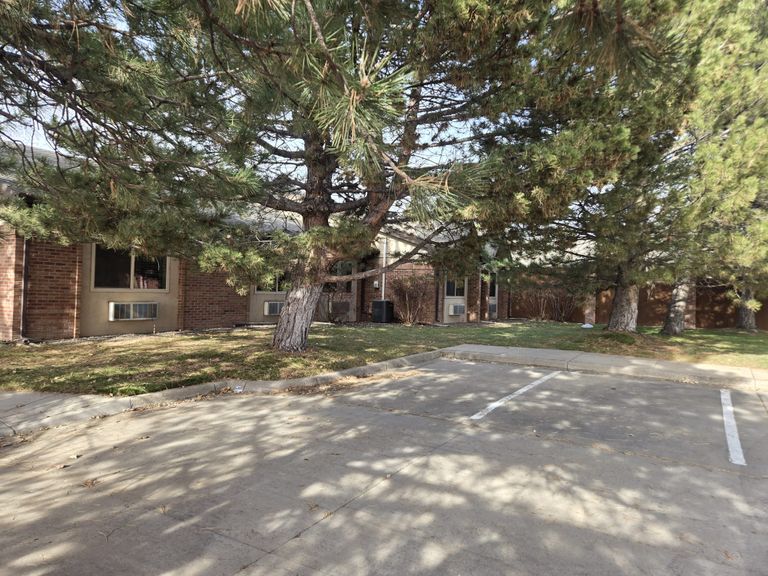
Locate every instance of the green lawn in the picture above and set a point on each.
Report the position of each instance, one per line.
(134, 365)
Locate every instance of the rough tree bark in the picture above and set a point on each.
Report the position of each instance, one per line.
(624, 312)
(674, 323)
(745, 316)
(292, 328)
(590, 309)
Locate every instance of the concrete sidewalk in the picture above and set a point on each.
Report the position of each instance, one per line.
(591, 362)
(24, 412)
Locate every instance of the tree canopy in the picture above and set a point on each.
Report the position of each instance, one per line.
(692, 202)
(200, 128)
(728, 134)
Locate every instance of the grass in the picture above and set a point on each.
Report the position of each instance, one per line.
(139, 364)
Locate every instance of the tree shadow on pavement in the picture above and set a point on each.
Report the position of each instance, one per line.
(354, 484)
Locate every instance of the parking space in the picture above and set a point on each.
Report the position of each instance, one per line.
(666, 420)
(557, 473)
(444, 389)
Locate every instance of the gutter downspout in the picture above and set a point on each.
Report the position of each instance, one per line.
(437, 296)
(76, 320)
(24, 287)
(384, 274)
(480, 297)
(360, 299)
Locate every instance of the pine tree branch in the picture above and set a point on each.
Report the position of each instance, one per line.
(283, 204)
(290, 154)
(237, 39)
(75, 24)
(350, 205)
(323, 46)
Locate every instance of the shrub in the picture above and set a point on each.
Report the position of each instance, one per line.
(411, 295)
(543, 303)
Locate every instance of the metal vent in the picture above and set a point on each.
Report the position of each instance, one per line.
(456, 309)
(132, 311)
(273, 308)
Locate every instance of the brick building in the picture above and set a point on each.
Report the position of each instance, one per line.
(49, 291)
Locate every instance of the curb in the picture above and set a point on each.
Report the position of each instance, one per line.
(753, 380)
(270, 386)
(539, 357)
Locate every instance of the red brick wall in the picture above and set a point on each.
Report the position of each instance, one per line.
(206, 301)
(427, 315)
(715, 308)
(52, 301)
(762, 316)
(182, 292)
(651, 306)
(503, 302)
(603, 305)
(707, 308)
(11, 278)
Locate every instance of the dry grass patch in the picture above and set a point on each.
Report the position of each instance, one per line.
(139, 364)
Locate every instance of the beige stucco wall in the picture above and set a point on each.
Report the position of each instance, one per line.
(95, 303)
(493, 300)
(448, 300)
(256, 306)
(395, 247)
(322, 314)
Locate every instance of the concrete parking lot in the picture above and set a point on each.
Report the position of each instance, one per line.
(454, 467)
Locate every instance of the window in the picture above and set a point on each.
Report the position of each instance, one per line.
(492, 286)
(149, 273)
(119, 269)
(454, 287)
(279, 284)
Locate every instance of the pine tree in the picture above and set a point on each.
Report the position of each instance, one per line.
(619, 234)
(729, 126)
(191, 127)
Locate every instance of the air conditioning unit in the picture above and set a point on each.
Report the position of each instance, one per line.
(456, 309)
(132, 311)
(273, 308)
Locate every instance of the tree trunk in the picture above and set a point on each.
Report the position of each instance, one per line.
(745, 315)
(674, 323)
(292, 327)
(590, 309)
(624, 312)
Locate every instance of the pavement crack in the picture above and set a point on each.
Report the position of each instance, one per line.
(11, 428)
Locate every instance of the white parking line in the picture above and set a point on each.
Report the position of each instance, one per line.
(493, 405)
(735, 454)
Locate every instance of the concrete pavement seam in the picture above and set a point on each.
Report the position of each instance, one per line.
(11, 428)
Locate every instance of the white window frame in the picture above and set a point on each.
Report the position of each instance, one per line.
(132, 289)
(266, 307)
(456, 283)
(132, 304)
